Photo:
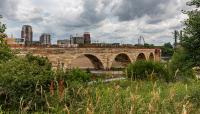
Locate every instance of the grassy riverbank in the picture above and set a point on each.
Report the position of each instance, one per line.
(125, 97)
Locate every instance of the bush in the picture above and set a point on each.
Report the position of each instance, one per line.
(194, 94)
(74, 75)
(195, 97)
(5, 51)
(21, 78)
(180, 68)
(147, 69)
(75, 80)
(41, 61)
(77, 75)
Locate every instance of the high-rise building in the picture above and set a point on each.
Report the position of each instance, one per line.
(86, 37)
(27, 34)
(77, 39)
(81, 39)
(45, 39)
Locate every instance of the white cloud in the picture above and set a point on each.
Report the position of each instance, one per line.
(107, 20)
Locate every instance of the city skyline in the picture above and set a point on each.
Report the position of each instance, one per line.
(107, 21)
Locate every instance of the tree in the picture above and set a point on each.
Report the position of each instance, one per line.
(187, 55)
(148, 45)
(167, 50)
(178, 66)
(5, 52)
(2, 26)
(2, 30)
(191, 37)
(194, 2)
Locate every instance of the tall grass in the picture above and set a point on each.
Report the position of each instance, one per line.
(121, 97)
(127, 97)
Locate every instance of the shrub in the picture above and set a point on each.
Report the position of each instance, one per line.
(75, 80)
(180, 68)
(77, 75)
(41, 61)
(20, 78)
(73, 76)
(5, 51)
(145, 69)
(194, 94)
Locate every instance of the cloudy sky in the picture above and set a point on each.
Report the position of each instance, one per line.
(121, 21)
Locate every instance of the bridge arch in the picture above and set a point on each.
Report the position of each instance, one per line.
(121, 60)
(151, 57)
(95, 60)
(141, 56)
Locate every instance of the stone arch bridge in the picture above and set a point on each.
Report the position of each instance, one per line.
(101, 58)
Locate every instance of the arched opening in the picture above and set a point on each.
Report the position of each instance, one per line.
(151, 57)
(121, 61)
(141, 56)
(87, 61)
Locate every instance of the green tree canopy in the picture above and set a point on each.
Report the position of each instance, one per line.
(148, 45)
(194, 2)
(167, 49)
(5, 52)
(191, 36)
(2, 26)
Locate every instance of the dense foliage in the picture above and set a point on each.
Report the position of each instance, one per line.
(78, 75)
(5, 52)
(191, 36)
(188, 55)
(73, 75)
(2, 26)
(148, 45)
(147, 70)
(20, 78)
(178, 66)
(167, 50)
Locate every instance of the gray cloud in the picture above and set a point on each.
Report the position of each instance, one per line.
(90, 15)
(133, 9)
(10, 10)
(7, 8)
(107, 20)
